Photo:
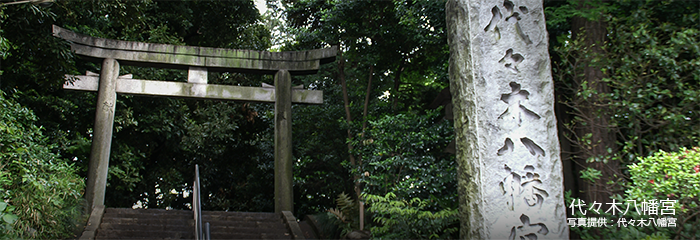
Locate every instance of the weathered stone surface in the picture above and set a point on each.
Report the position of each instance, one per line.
(296, 62)
(284, 200)
(510, 177)
(93, 222)
(292, 225)
(194, 90)
(197, 75)
(102, 134)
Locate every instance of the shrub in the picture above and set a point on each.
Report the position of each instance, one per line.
(402, 219)
(673, 176)
(408, 180)
(404, 155)
(41, 191)
(663, 186)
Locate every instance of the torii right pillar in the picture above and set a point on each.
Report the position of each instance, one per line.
(510, 173)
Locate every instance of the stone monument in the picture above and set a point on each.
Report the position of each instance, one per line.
(510, 176)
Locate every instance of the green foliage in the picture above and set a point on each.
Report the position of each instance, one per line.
(228, 140)
(559, 12)
(403, 159)
(655, 98)
(670, 177)
(405, 41)
(44, 191)
(346, 216)
(674, 176)
(5, 45)
(404, 155)
(320, 148)
(416, 142)
(590, 174)
(651, 63)
(8, 218)
(410, 219)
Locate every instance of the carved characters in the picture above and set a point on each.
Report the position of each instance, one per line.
(512, 15)
(528, 231)
(516, 109)
(512, 60)
(525, 187)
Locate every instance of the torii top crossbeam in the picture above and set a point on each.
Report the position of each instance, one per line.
(175, 56)
(198, 60)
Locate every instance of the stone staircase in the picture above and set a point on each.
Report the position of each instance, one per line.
(245, 225)
(126, 223)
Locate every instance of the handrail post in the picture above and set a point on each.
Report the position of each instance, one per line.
(207, 233)
(196, 205)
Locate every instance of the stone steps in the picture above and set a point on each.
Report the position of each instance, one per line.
(126, 223)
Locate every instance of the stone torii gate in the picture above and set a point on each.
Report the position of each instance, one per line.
(198, 60)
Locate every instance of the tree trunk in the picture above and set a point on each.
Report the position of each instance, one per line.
(356, 162)
(367, 94)
(593, 113)
(348, 119)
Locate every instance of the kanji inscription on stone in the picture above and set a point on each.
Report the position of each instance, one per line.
(510, 176)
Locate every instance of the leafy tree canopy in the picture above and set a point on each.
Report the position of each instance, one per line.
(156, 140)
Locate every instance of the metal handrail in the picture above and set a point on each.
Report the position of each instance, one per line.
(197, 208)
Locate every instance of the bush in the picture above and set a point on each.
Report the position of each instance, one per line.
(40, 190)
(401, 219)
(409, 182)
(673, 176)
(663, 186)
(404, 154)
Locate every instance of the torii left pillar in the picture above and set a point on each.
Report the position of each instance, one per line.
(102, 133)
